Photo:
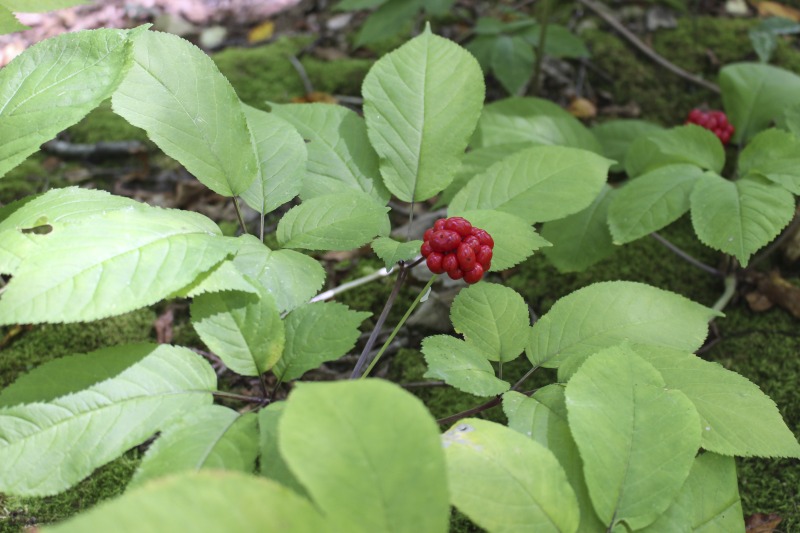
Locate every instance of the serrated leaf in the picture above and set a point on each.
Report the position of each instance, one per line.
(581, 240)
(111, 264)
(9, 23)
(222, 277)
(340, 157)
(754, 95)
(736, 417)
(387, 21)
(54, 84)
(211, 437)
(637, 439)
(203, 502)
(543, 418)
(382, 440)
(512, 62)
(461, 365)
(714, 492)
(73, 373)
(391, 251)
(504, 481)
(684, 144)
(421, 104)
(493, 318)
(616, 136)
(202, 125)
(532, 120)
(271, 464)
(605, 314)
(739, 217)
(514, 239)
(291, 277)
(774, 154)
(243, 329)
(651, 201)
(537, 184)
(47, 447)
(316, 333)
(342, 221)
(281, 155)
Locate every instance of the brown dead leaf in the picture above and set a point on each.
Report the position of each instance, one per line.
(775, 9)
(758, 302)
(261, 32)
(582, 108)
(779, 291)
(762, 523)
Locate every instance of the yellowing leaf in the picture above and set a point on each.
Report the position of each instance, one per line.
(775, 9)
(261, 32)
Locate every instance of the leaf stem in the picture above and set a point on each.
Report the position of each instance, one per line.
(239, 214)
(685, 256)
(544, 20)
(362, 360)
(730, 290)
(399, 325)
(234, 396)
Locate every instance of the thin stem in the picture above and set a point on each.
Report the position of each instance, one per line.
(399, 325)
(685, 256)
(327, 295)
(234, 396)
(239, 214)
(544, 20)
(730, 290)
(261, 229)
(521, 380)
(362, 360)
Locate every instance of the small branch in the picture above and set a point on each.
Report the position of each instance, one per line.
(301, 71)
(239, 215)
(600, 11)
(469, 412)
(233, 396)
(101, 149)
(686, 257)
(332, 293)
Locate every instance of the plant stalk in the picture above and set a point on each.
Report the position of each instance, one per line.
(239, 215)
(544, 20)
(241, 397)
(730, 290)
(685, 256)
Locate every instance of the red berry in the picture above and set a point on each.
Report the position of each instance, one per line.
(459, 225)
(474, 275)
(466, 257)
(450, 262)
(439, 224)
(485, 257)
(445, 240)
(456, 273)
(428, 234)
(434, 262)
(473, 243)
(695, 114)
(483, 237)
(425, 249)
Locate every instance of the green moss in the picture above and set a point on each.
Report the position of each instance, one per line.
(106, 482)
(49, 341)
(103, 125)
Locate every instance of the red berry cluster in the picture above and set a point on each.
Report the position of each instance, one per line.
(454, 246)
(715, 121)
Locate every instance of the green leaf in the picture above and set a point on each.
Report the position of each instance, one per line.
(514, 239)
(222, 277)
(504, 481)
(421, 104)
(340, 157)
(715, 494)
(40, 6)
(512, 62)
(616, 136)
(316, 333)
(47, 447)
(651, 201)
(684, 144)
(736, 417)
(476, 162)
(379, 438)
(774, 154)
(543, 418)
(581, 240)
(54, 84)
(111, 264)
(202, 125)
(739, 217)
(271, 464)
(211, 437)
(14, 247)
(754, 95)
(637, 439)
(535, 120)
(790, 119)
(203, 502)
(605, 314)
(493, 318)
(560, 43)
(291, 277)
(9, 23)
(537, 184)
(282, 159)
(391, 251)
(461, 365)
(387, 21)
(244, 330)
(481, 47)
(353, 5)
(342, 221)
(73, 373)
